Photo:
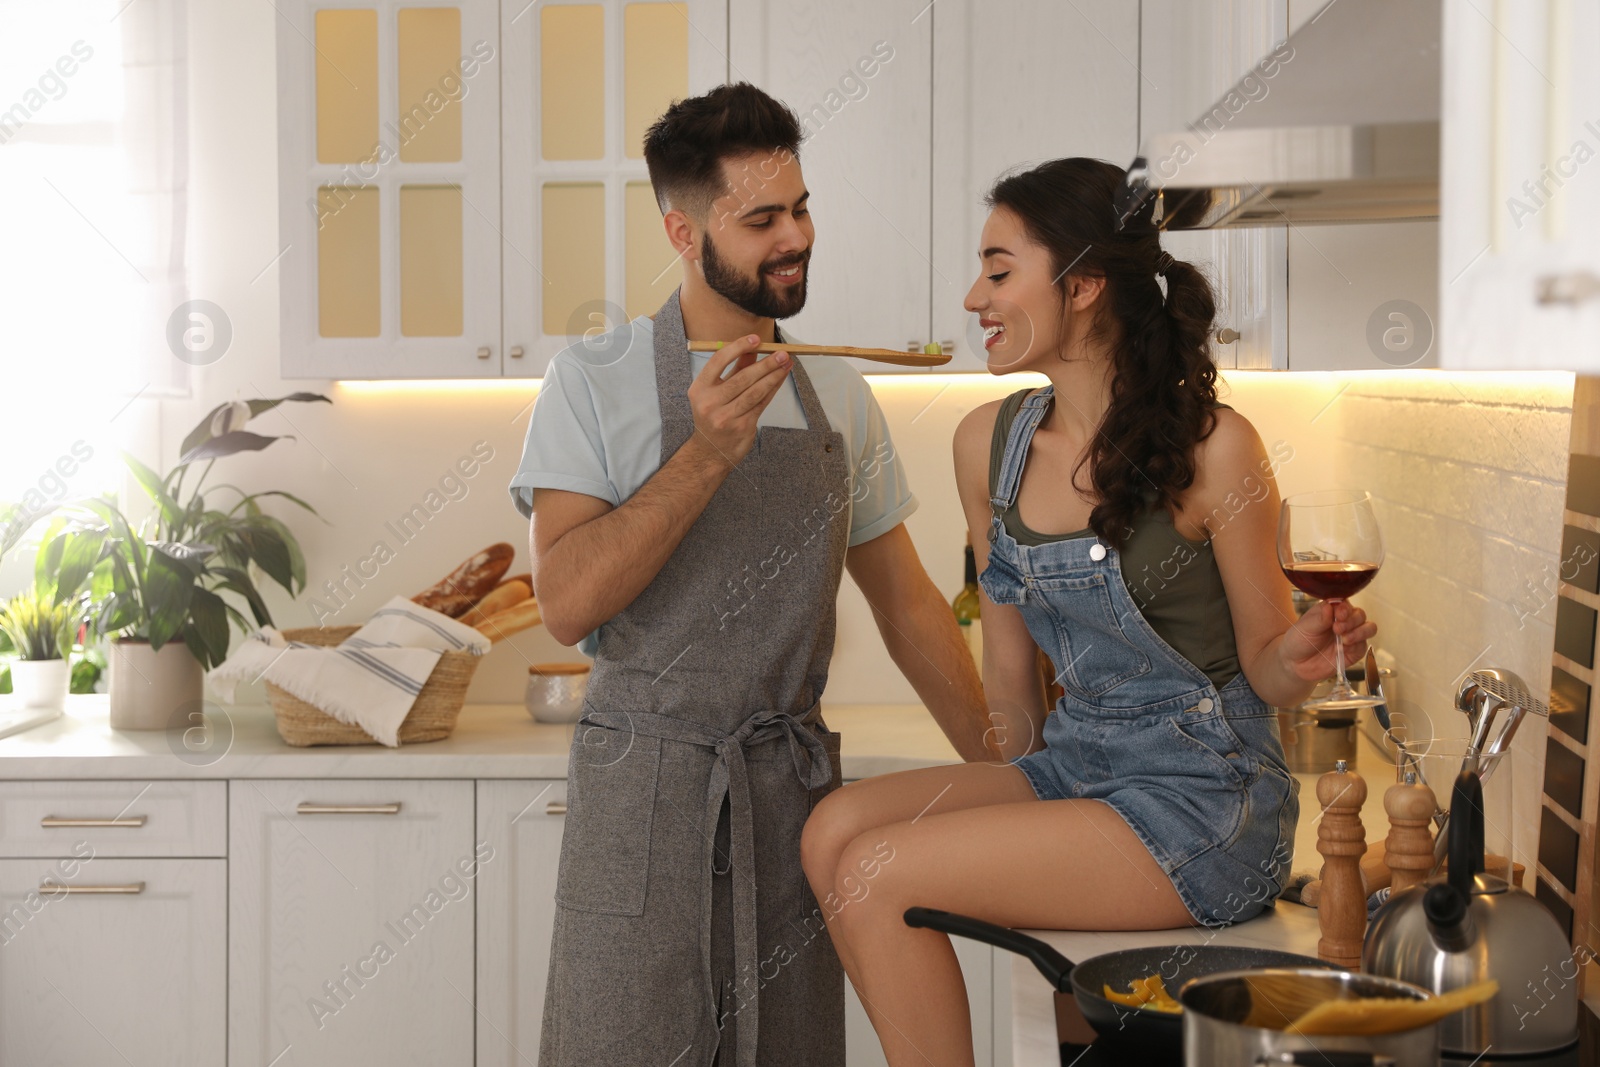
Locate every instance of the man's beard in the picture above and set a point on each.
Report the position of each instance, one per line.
(756, 295)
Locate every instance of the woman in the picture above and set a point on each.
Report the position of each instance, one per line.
(1125, 523)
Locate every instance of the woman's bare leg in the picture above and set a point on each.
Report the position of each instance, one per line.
(1063, 864)
(908, 796)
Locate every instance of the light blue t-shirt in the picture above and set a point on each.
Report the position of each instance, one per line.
(596, 429)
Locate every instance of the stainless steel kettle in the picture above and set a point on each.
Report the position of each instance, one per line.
(1466, 926)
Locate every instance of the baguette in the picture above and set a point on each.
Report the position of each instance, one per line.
(503, 596)
(514, 619)
(525, 578)
(467, 584)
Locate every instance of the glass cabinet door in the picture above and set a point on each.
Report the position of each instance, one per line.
(584, 247)
(389, 185)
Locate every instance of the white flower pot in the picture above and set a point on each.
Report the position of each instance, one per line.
(40, 683)
(153, 690)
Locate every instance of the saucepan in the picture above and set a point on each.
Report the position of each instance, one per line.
(1146, 1030)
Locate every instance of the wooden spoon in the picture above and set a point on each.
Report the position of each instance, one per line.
(877, 355)
(1388, 1015)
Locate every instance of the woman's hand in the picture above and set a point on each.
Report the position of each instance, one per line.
(1307, 649)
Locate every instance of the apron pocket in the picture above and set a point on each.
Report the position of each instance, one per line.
(605, 849)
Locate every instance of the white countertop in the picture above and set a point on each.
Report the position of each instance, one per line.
(490, 741)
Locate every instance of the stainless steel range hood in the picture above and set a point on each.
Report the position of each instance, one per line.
(1340, 123)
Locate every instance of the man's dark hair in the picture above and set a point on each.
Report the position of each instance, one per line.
(685, 147)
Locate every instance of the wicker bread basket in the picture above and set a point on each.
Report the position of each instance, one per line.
(431, 718)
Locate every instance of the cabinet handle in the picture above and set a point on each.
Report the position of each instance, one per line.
(483, 353)
(130, 822)
(1226, 336)
(556, 807)
(55, 887)
(516, 352)
(307, 808)
(947, 348)
(1574, 288)
(913, 346)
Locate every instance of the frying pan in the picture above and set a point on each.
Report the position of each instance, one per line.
(1155, 1032)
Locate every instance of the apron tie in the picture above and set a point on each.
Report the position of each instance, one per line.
(730, 781)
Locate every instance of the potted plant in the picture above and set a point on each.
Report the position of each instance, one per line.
(157, 588)
(40, 632)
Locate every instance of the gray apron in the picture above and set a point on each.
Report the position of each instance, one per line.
(685, 932)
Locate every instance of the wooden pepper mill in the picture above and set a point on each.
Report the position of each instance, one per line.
(1408, 849)
(1342, 910)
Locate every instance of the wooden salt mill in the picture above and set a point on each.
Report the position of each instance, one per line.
(1342, 910)
(1408, 850)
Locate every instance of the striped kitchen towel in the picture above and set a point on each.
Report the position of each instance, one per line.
(370, 680)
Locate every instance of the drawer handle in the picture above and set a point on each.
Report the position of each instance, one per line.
(49, 888)
(556, 807)
(307, 808)
(1575, 288)
(131, 822)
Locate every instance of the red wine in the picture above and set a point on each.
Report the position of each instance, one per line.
(1331, 579)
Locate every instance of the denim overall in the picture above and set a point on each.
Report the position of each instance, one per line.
(1198, 773)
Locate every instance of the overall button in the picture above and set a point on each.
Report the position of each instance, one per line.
(1097, 552)
(1205, 706)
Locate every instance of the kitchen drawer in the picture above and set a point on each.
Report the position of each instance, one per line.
(113, 818)
(116, 962)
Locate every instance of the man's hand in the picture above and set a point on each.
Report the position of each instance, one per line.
(726, 410)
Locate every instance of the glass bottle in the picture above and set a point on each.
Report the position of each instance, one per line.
(968, 608)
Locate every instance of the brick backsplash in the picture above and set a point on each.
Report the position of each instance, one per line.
(1468, 473)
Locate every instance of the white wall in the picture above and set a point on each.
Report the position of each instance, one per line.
(1469, 472)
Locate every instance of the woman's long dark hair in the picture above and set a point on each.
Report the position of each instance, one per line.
(1163, 384)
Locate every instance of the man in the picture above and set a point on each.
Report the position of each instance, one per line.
(692, 514)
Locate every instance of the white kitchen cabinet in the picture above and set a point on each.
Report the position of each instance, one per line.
(113, 961)
(351, 922)
(461, 190)
(1190, 53)
(520, 821)
(858, 76)
(389, 188)
(1519, 270)
(1331, 297)
(1017, 83)
(584, 249)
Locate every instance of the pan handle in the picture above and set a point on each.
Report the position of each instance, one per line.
(1052, 964)
(1327, 1059)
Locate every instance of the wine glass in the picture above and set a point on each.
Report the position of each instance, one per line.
(1330, 548)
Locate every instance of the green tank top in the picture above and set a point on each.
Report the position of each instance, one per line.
(1174, 581)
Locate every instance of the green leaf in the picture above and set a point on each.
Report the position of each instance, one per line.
(85, 674)
(227, 445)
(269, 552)
(208, 621)
(156, 489)
(191, 554)
(168, 591)
(297, 560)
(80, 551)
(202, 431)
(117, 612)
(128, 540)
(238, 581)
(259, 406)
(246, 498)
